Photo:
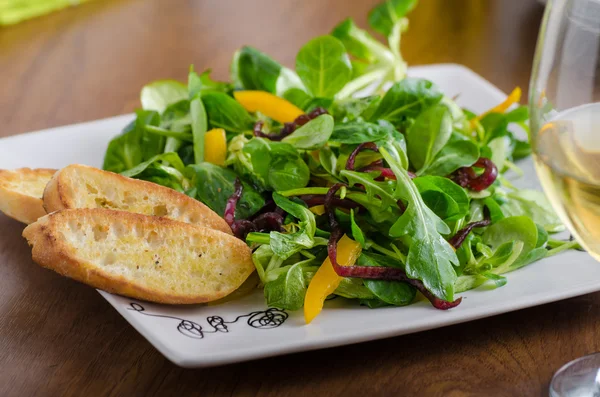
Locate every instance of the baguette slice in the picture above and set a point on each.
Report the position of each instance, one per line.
(21, 193)
(80, 186)
(143, 257)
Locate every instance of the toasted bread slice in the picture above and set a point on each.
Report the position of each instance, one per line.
(140, 256)
(21, 193)
(80, 186)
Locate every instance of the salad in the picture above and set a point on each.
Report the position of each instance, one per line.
(375, 198)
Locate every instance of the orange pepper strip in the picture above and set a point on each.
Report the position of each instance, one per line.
(326, 280)
(268, 104)
(514, 97)
(215, 146)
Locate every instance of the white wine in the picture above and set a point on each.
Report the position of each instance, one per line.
(568, 163)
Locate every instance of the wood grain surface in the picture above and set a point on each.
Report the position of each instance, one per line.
(58, 337)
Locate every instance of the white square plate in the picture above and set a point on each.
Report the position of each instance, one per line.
(201, 336)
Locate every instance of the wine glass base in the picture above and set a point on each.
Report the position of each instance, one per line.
(578, 378)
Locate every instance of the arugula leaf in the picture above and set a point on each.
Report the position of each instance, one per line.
(357, 233)
(214, 185)
(199, 127)
(428, 135)
(162, 93)
(278, 164)
(254, 70)
(453, 156)
(384, 190)
(430, 257)
(383, 17)
(286, 245)
(357, 131)
(225, 112)
(391, 292)
(436, 188)
(407, 98)
(135, 144)
(287, 291)
(312, 135)
(323, 66)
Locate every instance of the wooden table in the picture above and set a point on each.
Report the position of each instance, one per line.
(58, 337)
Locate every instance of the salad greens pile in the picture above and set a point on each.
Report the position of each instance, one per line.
(409, 175)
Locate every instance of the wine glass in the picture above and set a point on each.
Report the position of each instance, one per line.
(565, 136)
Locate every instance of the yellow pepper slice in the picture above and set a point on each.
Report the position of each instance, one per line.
(215, 146)
(514, 97)
(317, 209)
(268, 104)
(326, 280)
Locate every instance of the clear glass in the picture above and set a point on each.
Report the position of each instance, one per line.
(564, 107)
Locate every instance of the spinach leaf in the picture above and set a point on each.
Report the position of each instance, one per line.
(514, 228)
(171, 158)
(287, 291)
(241, 162)
(353, 288)
(437, 190)
(355, 132)
(521, 149)
(304, 101)
(261, 258)
(199, 128)
(430, 257)
(285, 245)
(255, 70)
(214, 185)
(360, 44)
(501, 150)
(391, 292)
(383, 17)
(428, 135)
(350, 109)
(203, 82)
(323, 66)
(407, 98)
(312, 135)
(176, 116)
(495, 211)
(453, 156)
(135, 144)
(495, 125)
(162, 93)
(225, 112)
(278, 164)
(163, 169)
(535, 205)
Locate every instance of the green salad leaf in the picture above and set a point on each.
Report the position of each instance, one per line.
(323, 66)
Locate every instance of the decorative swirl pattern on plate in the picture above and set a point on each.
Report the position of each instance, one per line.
(265, 319)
